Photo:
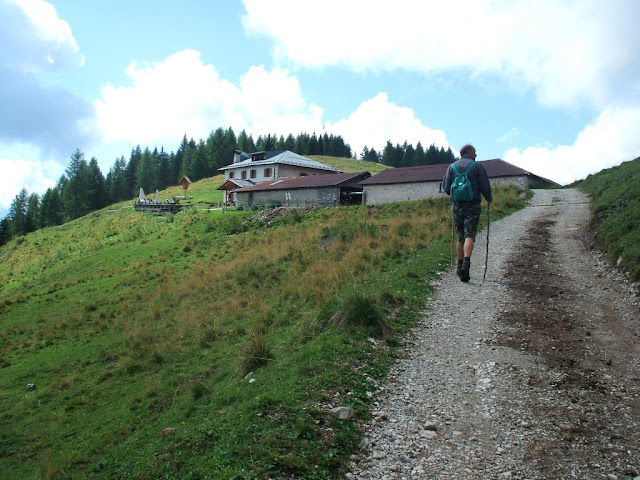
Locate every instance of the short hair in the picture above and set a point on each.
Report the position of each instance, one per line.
(467, 149)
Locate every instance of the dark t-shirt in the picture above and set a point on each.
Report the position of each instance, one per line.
(477, 175)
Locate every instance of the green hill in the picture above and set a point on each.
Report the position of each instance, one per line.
(207, 344)
(615, 207)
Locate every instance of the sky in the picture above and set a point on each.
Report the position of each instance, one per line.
(552, 86)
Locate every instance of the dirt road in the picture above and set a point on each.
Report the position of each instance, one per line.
(533, 374)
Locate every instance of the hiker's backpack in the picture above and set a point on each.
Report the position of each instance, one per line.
(461, 188)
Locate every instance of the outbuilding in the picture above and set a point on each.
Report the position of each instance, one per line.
(259, 167)
(314, 190)
(415, 183)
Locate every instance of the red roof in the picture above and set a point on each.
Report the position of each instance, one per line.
(435, 173)
(309, 181)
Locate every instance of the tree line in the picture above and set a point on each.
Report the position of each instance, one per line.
(406, 155)
(83, 188)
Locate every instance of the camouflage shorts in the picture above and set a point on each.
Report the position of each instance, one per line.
(466, 216)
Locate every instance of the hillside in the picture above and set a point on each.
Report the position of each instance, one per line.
(207, 344)
(615, 208)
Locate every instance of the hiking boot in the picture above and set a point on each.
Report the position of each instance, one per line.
(459, 269)
(464, 270)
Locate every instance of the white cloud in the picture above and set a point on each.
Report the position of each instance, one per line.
(609, 140)
(35, 39)
(25, 166)
(513, 133)
(377, 120)
(182, 95)
(570, 52)
(41, 124)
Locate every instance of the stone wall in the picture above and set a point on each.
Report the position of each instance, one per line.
(299, 197)
(522, 182)
(402, 192)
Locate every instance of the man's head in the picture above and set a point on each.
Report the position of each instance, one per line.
(468, 151)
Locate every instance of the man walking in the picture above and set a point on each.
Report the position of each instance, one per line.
(466, 214)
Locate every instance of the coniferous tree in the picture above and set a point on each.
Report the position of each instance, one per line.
(32, 217)
(419, 156)
(75, 194)
(5, 231)
(98, 194)
(51, 208)
(302, 144)
(245, 143)
(132, 171)
(408, 157)
(225, 155)
(215, 147)
(17, 215)
(290, 143)
(389, 155)
(199, 167)
(164, 170)
(145, 175)
(178, 160)
(188, 160)
(116, 183)
(431, 155)
(313, 148)
(373, 156)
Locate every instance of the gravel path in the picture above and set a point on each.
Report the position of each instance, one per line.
(533, 374)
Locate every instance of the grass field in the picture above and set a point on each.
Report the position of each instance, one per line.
(208, 344)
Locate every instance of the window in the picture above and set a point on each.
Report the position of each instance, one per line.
(244, 175)
(267, 172)
(253, 174)
(232, 174)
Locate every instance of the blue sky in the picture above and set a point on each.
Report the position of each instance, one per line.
(552, 86)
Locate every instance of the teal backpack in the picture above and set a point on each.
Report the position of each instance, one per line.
(461, 188)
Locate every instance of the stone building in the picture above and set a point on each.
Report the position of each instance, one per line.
(255, 168)
(303, 191)
(415, 183)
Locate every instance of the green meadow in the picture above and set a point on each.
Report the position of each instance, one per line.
(208, 344)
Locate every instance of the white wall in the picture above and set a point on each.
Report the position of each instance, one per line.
(401, 192)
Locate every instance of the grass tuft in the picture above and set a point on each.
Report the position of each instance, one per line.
(362, 309)
(257, 354)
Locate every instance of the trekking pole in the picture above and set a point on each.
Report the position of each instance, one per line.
(453, 234)
(486, 258)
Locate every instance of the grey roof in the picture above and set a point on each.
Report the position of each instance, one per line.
(235, 181)
(307, 181)
(285, 157)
